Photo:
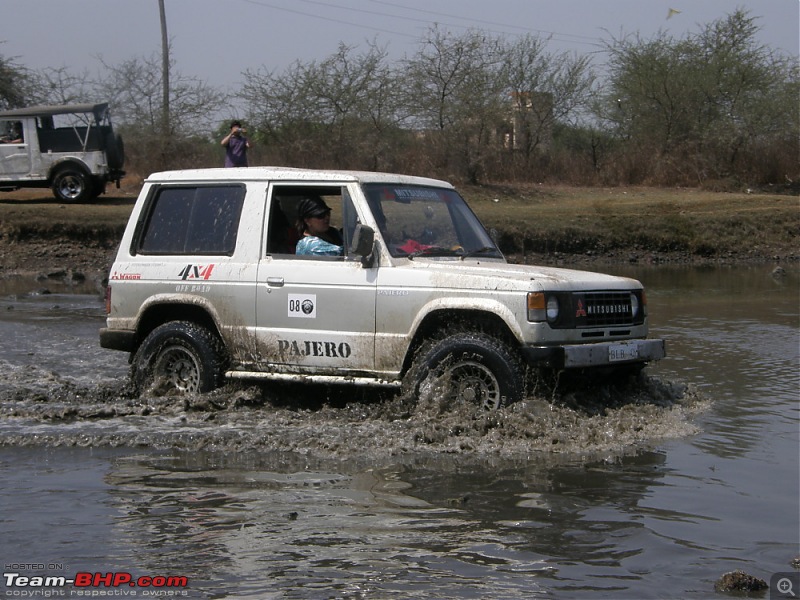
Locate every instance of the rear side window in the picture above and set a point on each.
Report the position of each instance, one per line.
(192, 220)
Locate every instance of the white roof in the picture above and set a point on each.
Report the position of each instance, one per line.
(292, 174)
(34, 111)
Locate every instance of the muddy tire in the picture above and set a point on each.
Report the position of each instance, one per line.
(179, 357)
(72, 184)
(470, 367)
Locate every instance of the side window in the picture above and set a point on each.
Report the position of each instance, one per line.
(11, 131)
(287, 227)
(192, 220)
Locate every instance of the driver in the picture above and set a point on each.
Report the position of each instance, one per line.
(14, 135)
(314, 227)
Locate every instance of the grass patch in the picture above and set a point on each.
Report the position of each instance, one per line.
(30, 214)
(580, 220)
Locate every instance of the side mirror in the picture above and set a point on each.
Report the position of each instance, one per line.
(363, 244)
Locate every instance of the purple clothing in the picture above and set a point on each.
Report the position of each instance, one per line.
(236, 151)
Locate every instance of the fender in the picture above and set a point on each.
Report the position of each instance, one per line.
(473, 304)
(157, 302)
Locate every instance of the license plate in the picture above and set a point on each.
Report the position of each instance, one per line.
(620, 352)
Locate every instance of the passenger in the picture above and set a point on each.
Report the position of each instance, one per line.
(314, 227)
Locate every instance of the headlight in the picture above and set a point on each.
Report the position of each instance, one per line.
(634, 305)
(552, 309)
(542, 307)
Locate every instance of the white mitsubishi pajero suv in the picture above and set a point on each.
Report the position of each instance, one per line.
(206, 285)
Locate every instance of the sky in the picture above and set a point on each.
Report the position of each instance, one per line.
(218, 40)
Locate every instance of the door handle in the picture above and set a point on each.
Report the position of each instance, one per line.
(275, 281)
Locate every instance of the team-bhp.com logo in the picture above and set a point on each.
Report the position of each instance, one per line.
(97, 580)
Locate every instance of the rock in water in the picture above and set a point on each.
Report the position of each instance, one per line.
(739, 581)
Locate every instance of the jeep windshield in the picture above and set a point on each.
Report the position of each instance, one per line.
(416, 221)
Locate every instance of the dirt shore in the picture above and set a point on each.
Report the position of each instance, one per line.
(68, 257)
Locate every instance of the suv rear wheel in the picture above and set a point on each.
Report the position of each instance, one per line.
(471, 367)
(179, 357)
(72, 184)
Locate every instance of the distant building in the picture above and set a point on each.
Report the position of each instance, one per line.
(531, 124)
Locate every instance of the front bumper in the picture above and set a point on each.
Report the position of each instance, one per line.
(603, 354)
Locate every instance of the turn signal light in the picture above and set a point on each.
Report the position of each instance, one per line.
(537, 306)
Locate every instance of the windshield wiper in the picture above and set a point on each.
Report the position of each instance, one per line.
(431, 251)
(484, 250)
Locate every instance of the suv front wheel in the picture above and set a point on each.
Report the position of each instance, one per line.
(467, 368)
(72, 184)
(179, 357)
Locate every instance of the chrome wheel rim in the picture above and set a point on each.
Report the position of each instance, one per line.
(473, 383)
(178, 369)
(70, 187)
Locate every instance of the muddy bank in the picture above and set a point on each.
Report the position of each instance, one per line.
(60, 259)
(66, 261)
(549, 225)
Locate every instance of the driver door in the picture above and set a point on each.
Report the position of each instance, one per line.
(15, 159)
(314, 314)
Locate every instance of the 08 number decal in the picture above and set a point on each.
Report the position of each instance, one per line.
(302, 306)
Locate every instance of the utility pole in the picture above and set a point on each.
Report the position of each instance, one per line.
(164, 70)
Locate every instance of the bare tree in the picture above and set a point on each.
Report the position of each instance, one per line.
(454, 95)
(337, 112)
(61, 86)
(697, 108)
(15, 84)
(134, 88)
(544, 88)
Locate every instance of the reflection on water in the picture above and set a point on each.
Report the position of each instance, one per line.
(662, 520)
(436, 527)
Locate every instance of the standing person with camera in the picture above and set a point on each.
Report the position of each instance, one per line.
(236, 146)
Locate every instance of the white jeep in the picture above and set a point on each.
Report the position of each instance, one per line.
(72, 149)
(206, 285)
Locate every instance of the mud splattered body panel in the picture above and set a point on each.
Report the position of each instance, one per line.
(216, 247)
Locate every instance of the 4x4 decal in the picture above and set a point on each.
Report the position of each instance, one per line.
(196, 272)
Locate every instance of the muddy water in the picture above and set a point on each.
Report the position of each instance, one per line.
(648, 488)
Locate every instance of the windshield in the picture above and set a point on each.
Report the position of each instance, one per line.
(427, 221)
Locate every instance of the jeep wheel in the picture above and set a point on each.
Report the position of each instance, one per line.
(471, 367)
(179, 357)
(72, 185)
